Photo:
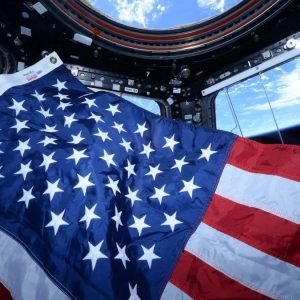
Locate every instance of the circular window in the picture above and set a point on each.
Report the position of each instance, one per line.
(160, 14)
(164, 29)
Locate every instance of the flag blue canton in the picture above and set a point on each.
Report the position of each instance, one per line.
(101, 193)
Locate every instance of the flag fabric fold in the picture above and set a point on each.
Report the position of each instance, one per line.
(100, 199)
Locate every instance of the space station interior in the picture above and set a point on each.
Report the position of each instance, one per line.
(183, 211)
(238, 71)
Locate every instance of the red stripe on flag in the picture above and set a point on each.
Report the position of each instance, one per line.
(4, 293)
(281, 160)
(201, 281)
(264, 231)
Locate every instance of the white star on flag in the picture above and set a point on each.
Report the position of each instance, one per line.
(63, 105)
(108, 158)
(90, 102)
(117, 218)
(189, 187)
(147, 149)
(20, 125)
(23, 146)
(122, 255)
(96, 118)
(95, 254)
(27, 196)
(154, 171)
(83, 183)
(179, 163)
(50, 129)
(76, 139)
(18, 106)
(130, 169)
(133, 293)
(57, 221)
(24, 170)
(207, 153)
(170, 142)
(45, 113)
(171, 221)
(77, 155)
(103, 135)
(113, 185)
(160, 193)
(69, 120)
(126, 145)
(141, 129)
(52, 189)
(139, 224)
(132, 196)
(38, 96)
(149, 255)
(62, 97)
(47, 161)
(60, 85)
(113, 109)
(48, 141)
(89, 215)
(119, 127)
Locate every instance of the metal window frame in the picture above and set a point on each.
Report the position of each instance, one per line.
(267, 65)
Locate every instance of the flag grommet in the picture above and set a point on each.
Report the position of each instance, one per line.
(53, 60)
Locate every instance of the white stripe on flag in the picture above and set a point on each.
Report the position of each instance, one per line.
(245, 264)
(273, 194)
(21, 274)
(173, 292)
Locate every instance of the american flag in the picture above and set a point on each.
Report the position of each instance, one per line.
(100, 199)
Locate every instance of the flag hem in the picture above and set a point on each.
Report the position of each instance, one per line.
(37, 262)
(30, 74)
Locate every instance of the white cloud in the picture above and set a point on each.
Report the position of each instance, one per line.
(160, 9)
(138, 11)
(287, 91)
(280, 69)
(265, 77)
(253, 110)
(212, 4)
(91, 3)
(243, 87)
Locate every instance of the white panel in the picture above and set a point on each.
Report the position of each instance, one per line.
(25, 31)
(80, 38)
(39, 7)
